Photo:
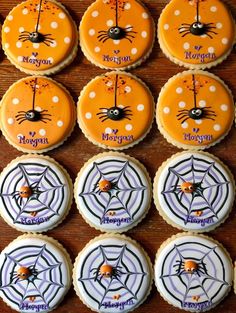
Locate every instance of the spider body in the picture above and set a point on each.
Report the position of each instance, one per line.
(116, 33)
(114, 113)
(25, 192)
(33, 116)
(105, 185)
(36, 37)
(197, 29)
(25, 273)
(190, 266)
(106, 271)
(196, 114)
(187, 187)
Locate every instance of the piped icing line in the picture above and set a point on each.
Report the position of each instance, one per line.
(194, 191)
(125, 198)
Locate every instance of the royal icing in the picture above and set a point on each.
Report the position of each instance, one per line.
(115, 110)
(112, 274)
(193, 273)
(39, 35)
(195, 110)
(35, 274)
(37, 114)
(113, 192)
(116, 33)
(194, 190)
(35, 193)
(204, 29)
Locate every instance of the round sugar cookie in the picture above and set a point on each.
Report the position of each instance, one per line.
(194, 191)
(37, 114)
(193, 272)
(113, 192)
(115, 110)
(39, 37)
(204, 30)
(112, 274)
(117, 34)
(35, 193)
(195, 110)
(35, 273)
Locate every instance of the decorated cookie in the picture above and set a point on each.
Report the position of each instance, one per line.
(39, 37)
(35, 193)
(113, 192)
(194, 191)
(204, 30)
(193, 272)
(195, 110)
(37, 114)
(115, 110)
(35, 274)
(112, 274)
(117, 34)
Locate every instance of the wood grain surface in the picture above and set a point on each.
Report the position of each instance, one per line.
(74, 232)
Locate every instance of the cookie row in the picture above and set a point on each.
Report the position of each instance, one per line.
(116, 34)
(114, 274)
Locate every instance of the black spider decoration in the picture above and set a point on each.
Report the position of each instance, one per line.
(36, 36)
(115, 113)
(106, 271)
(33, 115)
(195, 113)
(25, 273)
(197, 28)
(116, 32)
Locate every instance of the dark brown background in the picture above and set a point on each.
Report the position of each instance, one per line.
(74, 232)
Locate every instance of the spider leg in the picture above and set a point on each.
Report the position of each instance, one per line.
(186, 24)
(209, 118)
(104, 119)
(212, 32)
(105, 39)
(46, 118)
(23, 120)
(101, 113)
(184, 110)
(128, 39)
(102, 116)
(209, 35)
(25, 40)
(45, 114)
(102, 31)
(45, 43)
(127, 118)
(186, 34)
(185, 120)
(101, 35)
(130, 31)
(182, 115)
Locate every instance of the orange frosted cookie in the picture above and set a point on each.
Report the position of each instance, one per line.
(115, 110)
(195, 110)
(117, 33)
(204, 30)
(39, 37)
(37, 114)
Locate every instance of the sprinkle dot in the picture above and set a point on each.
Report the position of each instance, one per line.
(97, 49)
(128, 127)
(116, 42)
(202, 103)
(127, 6)
(92, 95)
(144, 34)
(15, 101)
(211, 50)
(25, 11)
(10, 121)
(38, 109)
(182, 104)
(224, 107)
(53, 44)
(21, 29)
(67, 40)
(6, 29)
(109, 83)
(95, 14)
(127, 89)
(19, 44)
(19, 136)
(54, 25)
(166, 110)
(177, 12)
(42, 132)
(7, 46)
(20, 58)
(88, 115)
(36, 45)
(212, 88)
(51, 60)
(134, 50)
(62, 15)
(213, 9)
(179, 90)
(140, 107)
(55, 99)
(60, 123)
(225, 41)
(121, 106)
(92, 32)
(219, 25)
(109, 23)
(184, 125)
(197, 18)
(10, 17)
(198, 122)
(186, 46)
(217, 127)
(108, 130)
(166, 26)
(145, 15)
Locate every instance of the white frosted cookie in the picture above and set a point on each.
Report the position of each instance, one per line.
(112, 274)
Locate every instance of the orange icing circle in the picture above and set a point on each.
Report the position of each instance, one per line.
(108, 94)
(36, 114)
(195, 109)
(97, 40)
(56, 31)
(178, 22)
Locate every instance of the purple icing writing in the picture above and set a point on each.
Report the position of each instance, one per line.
(203, 222)
(200, 306)
(115, 59)
(33, 307)
(116, 220)
(198, 138)
(117, 305)
(34, 142)
(119, 139)
(36, 62)
(36, 220)
(199, 56)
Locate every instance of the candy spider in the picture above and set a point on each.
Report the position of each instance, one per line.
(190, 267)
(24, 273)
(33, 116)
(26, 192)
(36, 37)
(106, 271)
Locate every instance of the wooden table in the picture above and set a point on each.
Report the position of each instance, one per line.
(74, 232)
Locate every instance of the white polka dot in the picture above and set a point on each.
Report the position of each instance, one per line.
(217, 127)
(38, 109)
(109, 23)
(15, 101)
(166, 26)
(182, 104)
(108, 130)
(50, 59)
(198, 18)
(10, 121)
(121, 106)
(21, 29)
(186, 45)
(97, 49)
(184, 125)
(19, 44)
(219, 25)
(198, 122)
(128, 127)
(88, 115)
(109, 84)
(25, 11)
(179, 90)
(116, 42)
(55, 99)
(95, 13)
(204, 36)
(92, 32)
(225, 41)
(19, 136)
(67, 40)
(53, 44)
(60, 123)
(92, 94)
(10, 17)
(54, 25)
(144, 34)
(140, 107)
(127, 6)
(42, 132)
(20, 58)
(212, 88)
(6, 29)
(128, 89)
(39, 26)
(128, 26)
(36, 45)
(211, 50)
(177, 12)
(134, 50)
(213, 9)
(145, 15)
(224, 107)
(62, 15)
(7, 46)
(166, 110)
(202, 103)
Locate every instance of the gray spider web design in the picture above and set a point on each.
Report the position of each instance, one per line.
(120, 278)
